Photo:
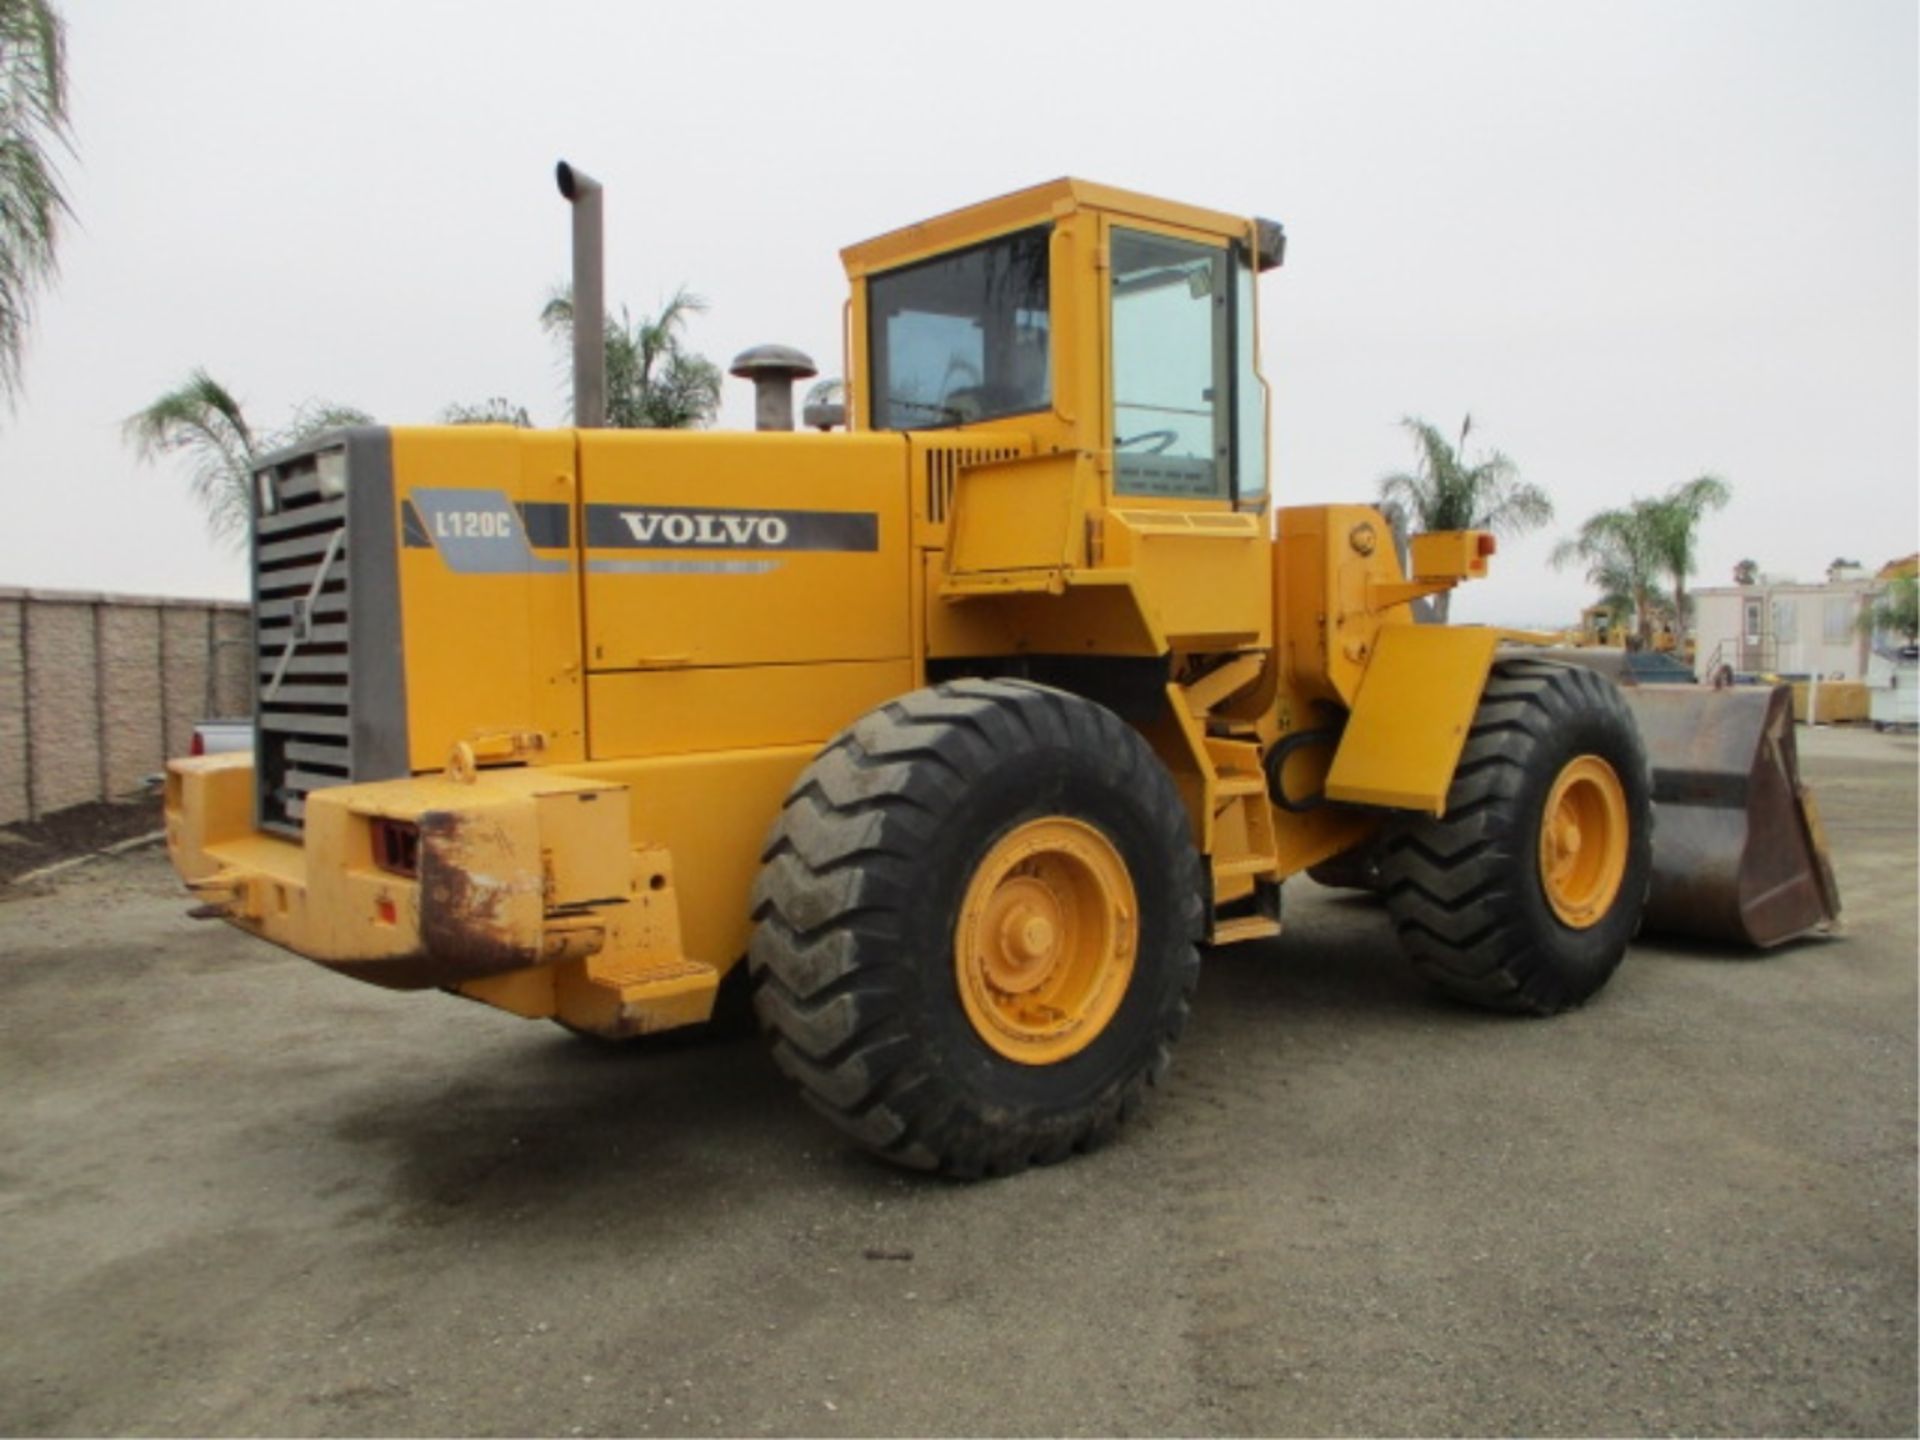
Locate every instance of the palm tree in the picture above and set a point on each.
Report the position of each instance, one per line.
(1674, 520)
(1444, 492)
(33, 118)
(1622, 557)
(652, 383)
(202, 420)
(1631, 551)
(495, 410)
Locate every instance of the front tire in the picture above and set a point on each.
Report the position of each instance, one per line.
(1525, 894)
(977, 927)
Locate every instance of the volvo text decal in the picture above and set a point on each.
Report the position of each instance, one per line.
(685, 528)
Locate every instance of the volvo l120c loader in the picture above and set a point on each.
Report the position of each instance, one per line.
(960, 732)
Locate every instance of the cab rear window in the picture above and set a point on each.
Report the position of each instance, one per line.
(961, 337)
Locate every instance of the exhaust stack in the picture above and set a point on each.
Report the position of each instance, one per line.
(582, 191)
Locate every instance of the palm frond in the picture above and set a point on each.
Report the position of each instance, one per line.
(316, 417)
(201, 419)
(201, 422)
(33, 121)
(653, 382)
(495, 410)
(556, 316)
(1444, 492)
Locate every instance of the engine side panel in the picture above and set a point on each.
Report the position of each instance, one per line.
(705, 550)
(489, 588)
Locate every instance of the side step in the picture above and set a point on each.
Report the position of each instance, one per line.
(1243, 927)
(637, 994)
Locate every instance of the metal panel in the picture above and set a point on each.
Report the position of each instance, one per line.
(313, 555)
(312, 545)
(273, 639)
(378, 682)
(306, 517)
(329, 754)
(332, 601)
(297, 580)
(299, 664)
(304, 724)
(1410, 720)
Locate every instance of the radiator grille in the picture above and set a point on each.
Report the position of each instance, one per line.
(304, 742)
(943, 465)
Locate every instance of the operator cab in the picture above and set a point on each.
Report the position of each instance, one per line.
(1093, 320)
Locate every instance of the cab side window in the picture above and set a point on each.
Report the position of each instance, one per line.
(1172, 428)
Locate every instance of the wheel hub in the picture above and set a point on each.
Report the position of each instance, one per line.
(1024, 926)
(1583, 841)
(1046, 939)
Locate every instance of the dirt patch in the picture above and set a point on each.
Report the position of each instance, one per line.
(77, 830)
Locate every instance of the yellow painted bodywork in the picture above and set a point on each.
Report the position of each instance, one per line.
(1410, 719)
(488, 653)
(602, 726)
(555, 876)
(804, 606)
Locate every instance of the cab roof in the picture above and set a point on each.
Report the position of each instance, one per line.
(1033, 206)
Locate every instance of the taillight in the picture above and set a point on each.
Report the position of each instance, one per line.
(199, 746)
(396, 847)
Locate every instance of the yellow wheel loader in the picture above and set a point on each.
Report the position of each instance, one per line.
(953, 737)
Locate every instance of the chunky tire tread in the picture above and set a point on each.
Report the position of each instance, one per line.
(1464, 890)
(847, 1000)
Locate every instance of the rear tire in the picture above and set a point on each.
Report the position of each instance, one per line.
(1525, 894)
(977, 927)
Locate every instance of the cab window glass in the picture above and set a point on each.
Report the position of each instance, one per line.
(1171, 432)
(962, 337)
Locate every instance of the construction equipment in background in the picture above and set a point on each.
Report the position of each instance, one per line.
(1599, 625)
(1663, 658)
(964, 729)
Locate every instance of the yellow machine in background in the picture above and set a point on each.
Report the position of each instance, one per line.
(963, 730)
(1599, 626)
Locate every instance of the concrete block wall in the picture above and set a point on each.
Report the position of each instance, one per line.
(131, 646)
(64, 741)
(13, 711)
(96, 691)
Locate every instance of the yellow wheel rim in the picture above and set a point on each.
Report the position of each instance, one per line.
(1046, 940)
(1583, 841)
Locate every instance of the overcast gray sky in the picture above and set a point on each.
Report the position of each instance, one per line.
(1638, 240)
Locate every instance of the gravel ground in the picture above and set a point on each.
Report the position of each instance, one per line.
(240, 1195)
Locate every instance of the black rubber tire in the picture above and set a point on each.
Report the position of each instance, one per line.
(1465, 891)
(852, 958)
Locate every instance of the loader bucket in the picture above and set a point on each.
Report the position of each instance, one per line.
(1738, 851)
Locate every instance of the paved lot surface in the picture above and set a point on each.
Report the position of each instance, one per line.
(238, 1194)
